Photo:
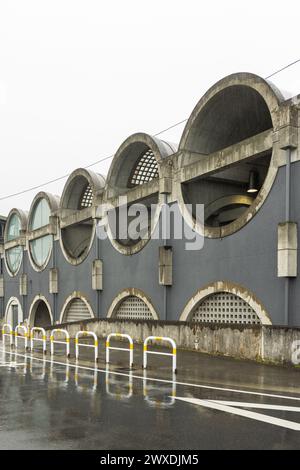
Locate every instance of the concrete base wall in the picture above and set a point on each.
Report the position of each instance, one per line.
(268, 344)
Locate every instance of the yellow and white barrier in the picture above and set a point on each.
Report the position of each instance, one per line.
(42, 339)
(130, 349)
(56, 341)
(160, 338)
(19, 336)
(9, 333)
(84, 345)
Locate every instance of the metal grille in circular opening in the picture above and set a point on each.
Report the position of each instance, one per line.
(145, 170)
(224, 307)
(87, 198)
(133, 308)
(76, 310)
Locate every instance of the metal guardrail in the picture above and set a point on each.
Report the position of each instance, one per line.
(19, 336)
(160, 338)
(94, 346)
(10, 334)
(42, 340)
(130, 349)
(56, 341)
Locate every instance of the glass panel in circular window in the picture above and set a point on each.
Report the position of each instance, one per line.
(40, 249)
(14, 258)
(41, 215)
(14, 227)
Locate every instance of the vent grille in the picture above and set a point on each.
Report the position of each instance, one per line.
(87, 198)
(134, 308)
(224, 307)
(145, 170)
(76, 311)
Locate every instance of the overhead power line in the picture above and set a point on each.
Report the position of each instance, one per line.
(33, 188)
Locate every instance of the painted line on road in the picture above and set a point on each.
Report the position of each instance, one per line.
(262, 406)
(244, 413)
(152, 379)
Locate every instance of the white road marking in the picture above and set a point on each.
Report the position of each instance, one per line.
(262, 406)
(244, 413)
(152, 379)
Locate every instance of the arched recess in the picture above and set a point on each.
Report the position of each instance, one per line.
(222, 308)
(132, 304)
(76, 308)
(40, 313)
(13, 312)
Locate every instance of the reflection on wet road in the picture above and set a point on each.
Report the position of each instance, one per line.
(58, 404)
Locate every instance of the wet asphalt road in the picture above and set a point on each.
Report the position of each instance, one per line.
(219, 403)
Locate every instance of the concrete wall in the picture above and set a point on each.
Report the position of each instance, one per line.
(268, 344)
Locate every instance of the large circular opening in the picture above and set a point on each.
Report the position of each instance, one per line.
(231, 134)
(78, 197)
(133, 185)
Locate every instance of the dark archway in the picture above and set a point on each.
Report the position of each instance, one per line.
(40, 316)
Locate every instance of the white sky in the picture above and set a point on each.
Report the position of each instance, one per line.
(79, 76)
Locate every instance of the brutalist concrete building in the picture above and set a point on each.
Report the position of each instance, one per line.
(239, 156)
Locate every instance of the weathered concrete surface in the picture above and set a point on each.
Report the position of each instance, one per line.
(267, 343)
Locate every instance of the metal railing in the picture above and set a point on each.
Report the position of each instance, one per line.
(130, 349)
(56, 341)
(42, 340)
(19, 336)
(173, 354)
(84, 345)
(5, 333)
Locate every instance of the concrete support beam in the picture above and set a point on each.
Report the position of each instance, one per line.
(1, 287)
(21, 241)
(287, 249)
(208, 164)
(23, 285)
(165, 180)
(165, 265)
(97, 274)
(50, 229)
(53, 281)
(288, 137)
(137, 193)
(70, 217)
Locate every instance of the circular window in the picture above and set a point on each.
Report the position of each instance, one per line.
(14, 254)
(14, 258)
(227, 151)
(40, 247)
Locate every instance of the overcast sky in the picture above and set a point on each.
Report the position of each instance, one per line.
(78, 77)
